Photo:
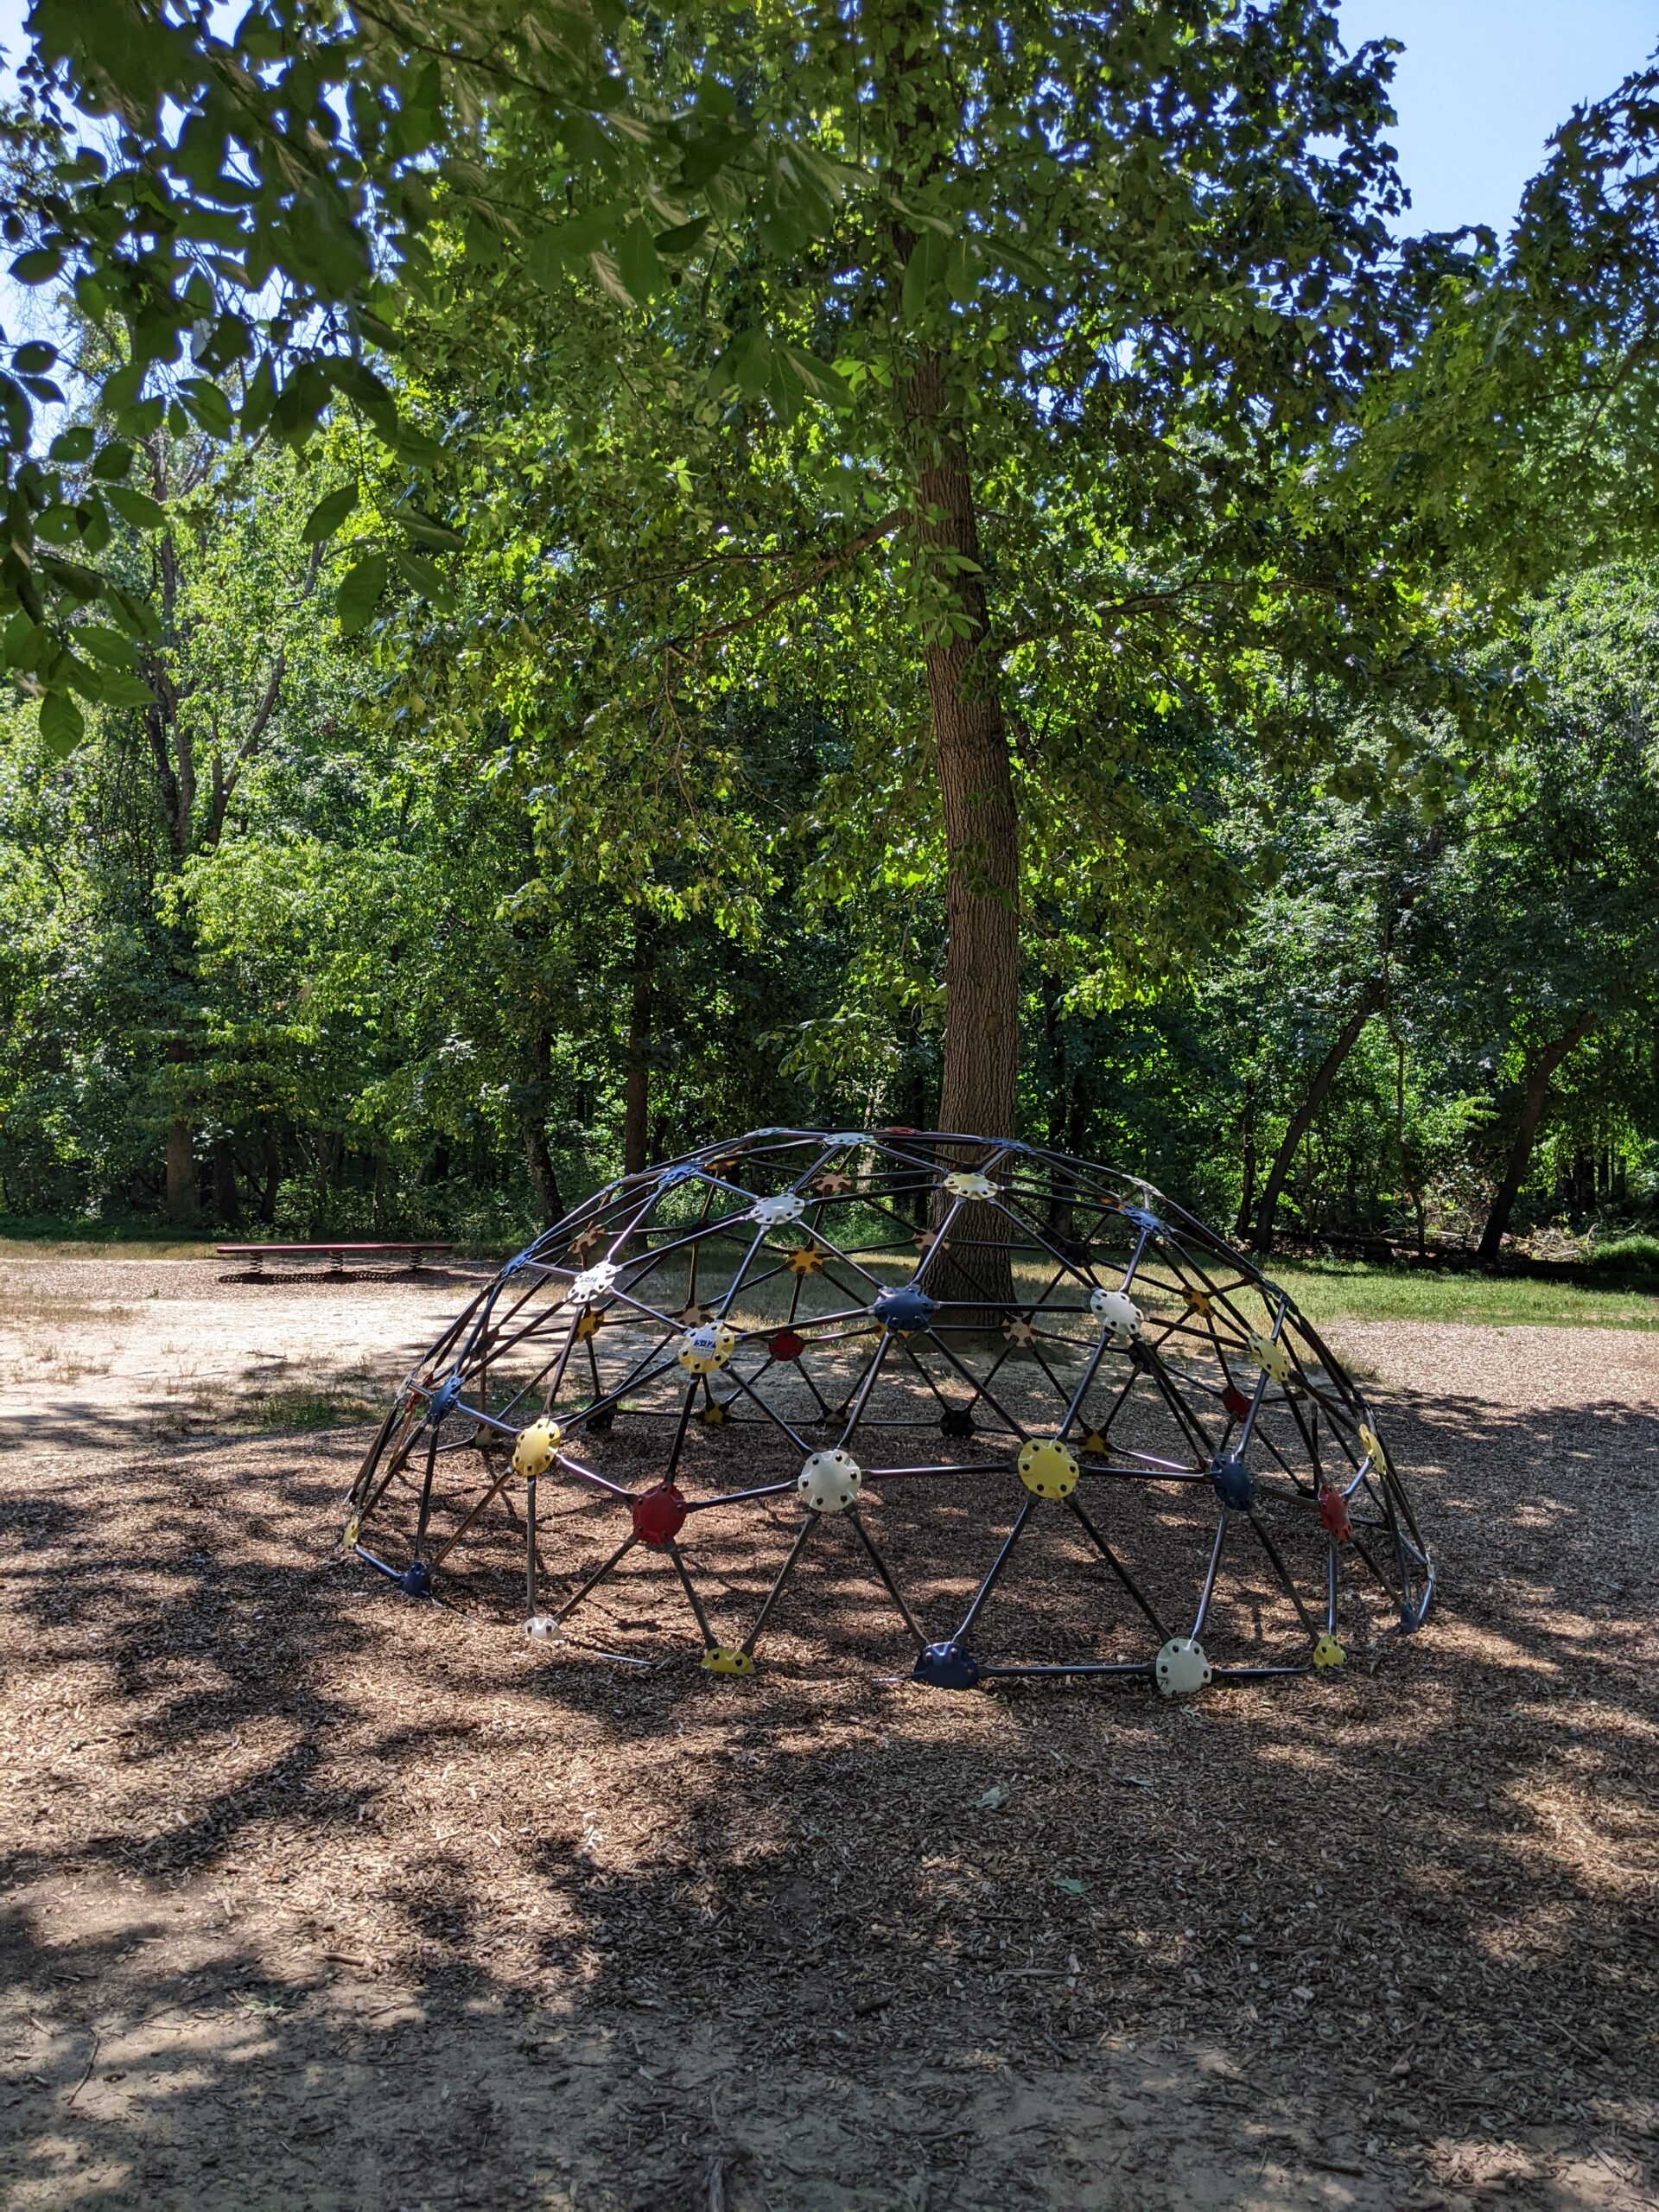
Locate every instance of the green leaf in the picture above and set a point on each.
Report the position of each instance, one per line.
(427, 530)
(426, 578)
(360, 383)
(73, 444)
(360, 593)
(112, 463)
(108, 645)
(25, 645)
(138, 507)
(209, 405)
(924, 273)
(35, 358)
(685, 239)
(120, 688)
(708, 155)
(39, 267)
(62, 724)
(328, 515)
(817, 376)
(415, 447)
(641, 272)
(561, 247)
(609, 279)
(746, 362)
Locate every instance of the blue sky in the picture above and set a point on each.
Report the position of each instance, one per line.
(1482, 84)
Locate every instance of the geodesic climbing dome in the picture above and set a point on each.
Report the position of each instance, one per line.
(981, 1406)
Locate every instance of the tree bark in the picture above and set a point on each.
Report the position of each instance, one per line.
(273, 1181)
(972, 758)
(635, 1096)
(1247, 1180)
(183, 1197)
(542, 1174)
(1302, 1120)
(227, 1203)
(1535, 1098)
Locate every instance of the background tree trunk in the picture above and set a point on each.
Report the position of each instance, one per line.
(1535, 1098)
(183, 1195)
(1302, 1120)
(227, 1202)
(543, 1174)
(273, 1181)
(636, 1097)
(1247, 1180)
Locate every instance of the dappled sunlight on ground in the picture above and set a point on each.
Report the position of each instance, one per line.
(315, 1897)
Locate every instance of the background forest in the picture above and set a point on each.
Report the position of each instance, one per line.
(521, 750)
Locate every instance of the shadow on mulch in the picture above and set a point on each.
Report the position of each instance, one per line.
(371, 1904)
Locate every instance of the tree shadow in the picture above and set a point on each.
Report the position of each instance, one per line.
(316, 1896)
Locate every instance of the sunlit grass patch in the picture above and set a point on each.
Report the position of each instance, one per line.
(306, 1406)
(1339, 1290)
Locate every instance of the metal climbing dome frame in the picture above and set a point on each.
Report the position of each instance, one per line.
(994, 1367)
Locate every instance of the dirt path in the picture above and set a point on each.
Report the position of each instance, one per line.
(315, 1898)
(94, 1349)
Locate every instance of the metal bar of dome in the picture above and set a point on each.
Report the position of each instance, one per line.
(880, 1566)
(530, 1548)
(598, 1576)
(1283, 1571)
(426, 1489)
(1016, 1427)
(1117, 1568)
(855, 1405)
(1209, 1589)
(783, 1573)
(709, 1637)
(993, 1572)
(739, 1496)
(771, 1412)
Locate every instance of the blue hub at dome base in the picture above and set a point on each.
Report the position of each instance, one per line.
(946, 1667)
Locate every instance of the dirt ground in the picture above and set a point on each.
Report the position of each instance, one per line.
(318, 1897)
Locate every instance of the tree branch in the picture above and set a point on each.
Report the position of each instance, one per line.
(825, 565)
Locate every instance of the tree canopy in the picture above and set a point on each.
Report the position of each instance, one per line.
(575, 572)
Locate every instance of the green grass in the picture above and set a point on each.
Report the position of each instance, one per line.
(306, 1407)
(113, 1248)
(1337, 1290)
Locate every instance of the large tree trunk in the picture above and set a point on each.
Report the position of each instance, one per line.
(982, 842)
(1302, 1120)
(183, 1195)
(970, 752)
(636, 1097)
(1535, 1098)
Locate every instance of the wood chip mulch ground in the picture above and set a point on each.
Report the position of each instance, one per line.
(315, 1897)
